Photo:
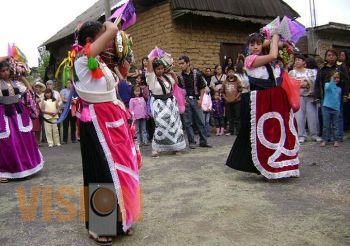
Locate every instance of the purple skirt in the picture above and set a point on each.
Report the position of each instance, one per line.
(19, 153)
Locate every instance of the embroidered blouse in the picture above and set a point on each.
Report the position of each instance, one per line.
(310, 76)
(154, 85)
(86, 82)
(216, 82)
(259, 72)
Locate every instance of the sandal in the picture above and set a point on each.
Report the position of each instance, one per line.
(129, 232)
(155, 154)
(4, 180)
(100, 240)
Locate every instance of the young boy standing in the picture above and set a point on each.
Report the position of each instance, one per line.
(232, 96)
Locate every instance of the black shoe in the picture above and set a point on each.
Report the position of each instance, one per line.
(205, 145)
(74, 141)
(64, 142)
(192, 146)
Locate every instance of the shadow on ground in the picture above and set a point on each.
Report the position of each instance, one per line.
(192, 198)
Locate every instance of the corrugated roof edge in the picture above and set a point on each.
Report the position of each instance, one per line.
(178, 13)
(95, 12)
(332, 25)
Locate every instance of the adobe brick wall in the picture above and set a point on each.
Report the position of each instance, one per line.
(198, 37)
(153, 28)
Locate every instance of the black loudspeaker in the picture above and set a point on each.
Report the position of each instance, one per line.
(103, 212)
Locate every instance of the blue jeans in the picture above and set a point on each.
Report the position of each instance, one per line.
(206, 123)
(330, 124)
(141, 131)
(340, 131)
(196, 112)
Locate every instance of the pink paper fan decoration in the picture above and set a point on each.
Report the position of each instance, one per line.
(156, 53)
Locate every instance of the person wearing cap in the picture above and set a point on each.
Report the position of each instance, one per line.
(39, 89)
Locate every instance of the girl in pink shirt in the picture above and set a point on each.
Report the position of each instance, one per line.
(137, 106)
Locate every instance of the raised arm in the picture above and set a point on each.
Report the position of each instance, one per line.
(102, 41)
(26, 83)
(149, 65)
(262, 60)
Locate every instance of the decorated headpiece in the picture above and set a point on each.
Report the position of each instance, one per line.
(163, 58)
(18, 61)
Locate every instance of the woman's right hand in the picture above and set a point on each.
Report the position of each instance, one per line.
(110, 26)
(275, 37)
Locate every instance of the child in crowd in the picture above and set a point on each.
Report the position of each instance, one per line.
(137, 106)
(232, 95)
(207, 107)
(143, 87)
(218, 113)
(331, 109)
(50, 109)
(145, 92)
(217, 79)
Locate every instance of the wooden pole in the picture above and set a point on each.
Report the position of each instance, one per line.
(107, 9)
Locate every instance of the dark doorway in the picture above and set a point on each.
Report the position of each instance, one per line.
(230, 50)
(339, 48)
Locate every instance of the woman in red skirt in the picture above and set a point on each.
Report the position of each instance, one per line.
(270, 145)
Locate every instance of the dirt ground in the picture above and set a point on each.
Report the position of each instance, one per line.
(192, 198)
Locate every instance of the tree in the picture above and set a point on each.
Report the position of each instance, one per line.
(43, 61)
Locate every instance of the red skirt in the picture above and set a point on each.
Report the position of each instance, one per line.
(270, 146)
(36, 125)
